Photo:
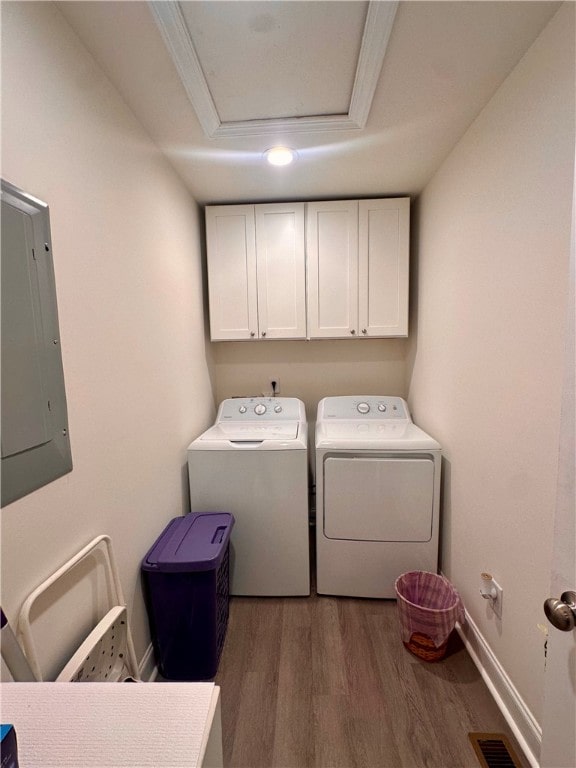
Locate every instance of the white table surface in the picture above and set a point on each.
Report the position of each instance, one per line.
(105, 725)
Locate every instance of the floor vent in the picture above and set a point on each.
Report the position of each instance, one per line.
(494, 750)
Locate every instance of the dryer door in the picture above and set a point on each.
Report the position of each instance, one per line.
(378, 498)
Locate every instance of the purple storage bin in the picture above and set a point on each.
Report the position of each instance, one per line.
(186, 587)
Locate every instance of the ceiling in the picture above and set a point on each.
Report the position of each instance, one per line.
(264, 68)
(371, 95)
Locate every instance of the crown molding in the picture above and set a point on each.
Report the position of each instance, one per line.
(170, 21)
(377, 30)
(378, 26)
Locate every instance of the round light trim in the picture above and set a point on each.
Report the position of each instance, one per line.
(280, 155)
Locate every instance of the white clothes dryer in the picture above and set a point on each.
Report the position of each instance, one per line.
(377, 496)
(253, 463)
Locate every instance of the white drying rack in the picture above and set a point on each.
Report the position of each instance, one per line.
(107, 653)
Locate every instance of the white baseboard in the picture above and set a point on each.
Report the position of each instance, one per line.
(526, 729)
(147, 669)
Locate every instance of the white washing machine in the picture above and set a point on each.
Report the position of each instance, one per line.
(253, 463)
(377, 496)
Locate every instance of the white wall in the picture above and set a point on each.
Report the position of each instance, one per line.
(491, 287)
(311, 370)
(126, 241)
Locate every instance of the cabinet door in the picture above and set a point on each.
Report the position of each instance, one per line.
(230, 236)
(332, 248)
(383, 261)
(281, 272)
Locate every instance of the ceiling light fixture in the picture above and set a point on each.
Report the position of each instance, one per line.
(280, 155)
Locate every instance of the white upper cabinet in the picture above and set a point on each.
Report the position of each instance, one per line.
(358, 256)
(332, 251)
(343, 265)
(256, 271)
(231, 238)
(383, 265)
(281, 271)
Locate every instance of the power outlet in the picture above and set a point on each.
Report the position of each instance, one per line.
(497, 602)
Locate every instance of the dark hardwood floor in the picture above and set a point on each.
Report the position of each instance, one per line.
(326, 682)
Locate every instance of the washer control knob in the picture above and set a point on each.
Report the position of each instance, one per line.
(242, 409)
(363, 408)
(381, 407)
(260, 409)
(277, 409)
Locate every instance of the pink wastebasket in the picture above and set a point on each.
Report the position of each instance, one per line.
(428, 609)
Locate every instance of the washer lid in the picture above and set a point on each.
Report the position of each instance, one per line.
(251, 431)
(287, 436)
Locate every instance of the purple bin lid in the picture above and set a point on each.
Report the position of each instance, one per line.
(195, 542)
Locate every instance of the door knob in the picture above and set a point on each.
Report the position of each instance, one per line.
(561, 612)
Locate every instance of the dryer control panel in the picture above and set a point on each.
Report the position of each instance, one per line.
(372, 407)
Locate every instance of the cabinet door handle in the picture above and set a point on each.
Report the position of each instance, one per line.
(353, 332)
(263, 333)
(364, 331)
(252, 334)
